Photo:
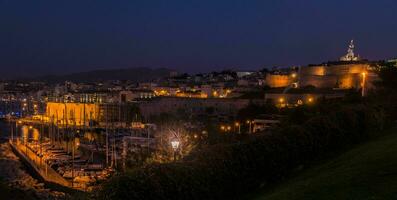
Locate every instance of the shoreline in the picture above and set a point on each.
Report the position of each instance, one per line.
(15, 174)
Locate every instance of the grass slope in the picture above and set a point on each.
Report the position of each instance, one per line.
(368, 171)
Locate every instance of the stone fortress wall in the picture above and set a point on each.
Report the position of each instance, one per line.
(343, 76)
(278, 80)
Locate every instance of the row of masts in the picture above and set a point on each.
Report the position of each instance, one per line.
(66, 132)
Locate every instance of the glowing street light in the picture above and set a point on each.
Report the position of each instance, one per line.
(237, 124)
(175, 146)
(250, 125)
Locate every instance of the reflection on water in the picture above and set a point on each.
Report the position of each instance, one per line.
(35, 134)
(31, 133)
(25, 133)
(13, 173)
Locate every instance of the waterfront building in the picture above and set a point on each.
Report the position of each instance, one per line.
(218, 106)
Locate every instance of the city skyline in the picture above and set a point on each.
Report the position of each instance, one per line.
(225, 99)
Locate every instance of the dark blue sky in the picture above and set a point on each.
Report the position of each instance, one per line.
(56, 36)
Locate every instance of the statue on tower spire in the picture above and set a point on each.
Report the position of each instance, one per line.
(350, 53)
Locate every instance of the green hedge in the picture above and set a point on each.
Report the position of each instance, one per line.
(230, 170)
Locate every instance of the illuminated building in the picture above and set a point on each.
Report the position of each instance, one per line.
(87, 114)
(191, 94)
(295, 99)
(80, 98)
(278, 80)
(220, 106)
(72, 113)
(131, 95)
(343, 74)
(393, 61)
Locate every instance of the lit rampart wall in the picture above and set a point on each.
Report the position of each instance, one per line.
(277, 80)
(342, 76)
(72, 113)
(318, 81)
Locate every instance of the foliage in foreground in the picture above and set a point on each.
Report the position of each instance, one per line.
(368, 171)
(230, 170)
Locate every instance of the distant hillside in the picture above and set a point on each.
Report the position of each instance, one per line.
(134, 74)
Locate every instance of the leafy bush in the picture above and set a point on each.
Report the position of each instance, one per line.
(229, 170)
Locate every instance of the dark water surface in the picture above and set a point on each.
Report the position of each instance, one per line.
(4, 130)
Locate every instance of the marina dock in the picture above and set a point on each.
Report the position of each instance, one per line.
(39, 165)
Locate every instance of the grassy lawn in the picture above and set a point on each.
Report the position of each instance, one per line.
(368, 171)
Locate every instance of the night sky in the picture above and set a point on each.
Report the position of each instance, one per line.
(56, 37)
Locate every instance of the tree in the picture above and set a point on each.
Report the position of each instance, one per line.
(388, 77)
(174, 132)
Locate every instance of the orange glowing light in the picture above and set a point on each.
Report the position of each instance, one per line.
(281, 100)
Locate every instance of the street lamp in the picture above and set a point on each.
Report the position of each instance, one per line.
(175, 146)
(281, 100)
(35, 109)
(250, 123)
(237, 124)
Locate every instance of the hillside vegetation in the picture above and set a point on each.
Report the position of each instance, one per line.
(368, 171)
(229, 170)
